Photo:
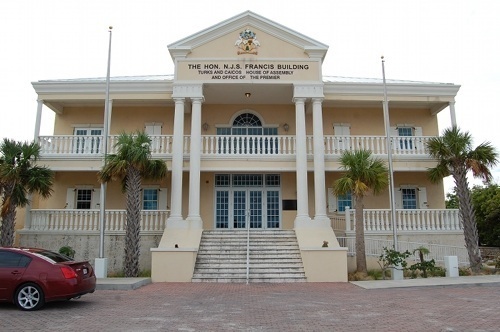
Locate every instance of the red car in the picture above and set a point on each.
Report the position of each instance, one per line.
(29, 277)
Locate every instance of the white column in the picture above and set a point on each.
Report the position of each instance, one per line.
(177, 161)
(38, 120)
(194, 162)
(301, 162)
(452, 113)
(319, 163)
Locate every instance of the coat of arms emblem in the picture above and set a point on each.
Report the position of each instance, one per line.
(247, 43)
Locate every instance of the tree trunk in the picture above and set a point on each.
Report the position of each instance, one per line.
(133, 226)
(468, 217)
(360, 237)
(7, 228)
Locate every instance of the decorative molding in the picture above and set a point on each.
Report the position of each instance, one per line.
(188, 91)
(308, 91)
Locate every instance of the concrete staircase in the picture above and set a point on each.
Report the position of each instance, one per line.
(274, 257)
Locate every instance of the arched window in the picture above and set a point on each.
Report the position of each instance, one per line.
(247, 124)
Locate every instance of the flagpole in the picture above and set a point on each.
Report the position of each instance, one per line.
(102, 267)
(389, 157)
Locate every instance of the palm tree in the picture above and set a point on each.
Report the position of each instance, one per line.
(456, 157)
(362, 175)
(130, 165)
(19, 178)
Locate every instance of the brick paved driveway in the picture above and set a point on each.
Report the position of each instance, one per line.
(267, 307)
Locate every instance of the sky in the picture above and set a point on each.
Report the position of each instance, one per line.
(448, 41)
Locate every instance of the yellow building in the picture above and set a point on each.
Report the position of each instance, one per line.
(252, 132)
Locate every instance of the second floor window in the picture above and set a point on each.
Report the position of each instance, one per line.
(250, 137)
(406, 132)
(87, 140)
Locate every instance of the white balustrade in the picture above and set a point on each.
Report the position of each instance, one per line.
(419, 220)
(73, 220)
(238, 145)
(248, 145)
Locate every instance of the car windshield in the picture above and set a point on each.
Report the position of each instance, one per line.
(52, 256)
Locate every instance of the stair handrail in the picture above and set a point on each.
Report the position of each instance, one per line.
(248, 249)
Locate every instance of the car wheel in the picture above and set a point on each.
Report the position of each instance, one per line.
(29, 297)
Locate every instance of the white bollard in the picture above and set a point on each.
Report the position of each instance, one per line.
(451, 265)
(397, 272)
(101, 268)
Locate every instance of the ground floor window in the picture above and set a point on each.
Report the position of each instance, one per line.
(344, 201)
(150, 199)
(409, 196)
(83, 199)
(247, 200)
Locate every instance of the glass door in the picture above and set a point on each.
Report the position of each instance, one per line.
(247, 206)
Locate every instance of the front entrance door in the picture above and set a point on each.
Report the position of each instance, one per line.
(247, 200)
(247, 207)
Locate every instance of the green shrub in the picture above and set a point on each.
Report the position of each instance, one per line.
(67, 251)
(391, 258)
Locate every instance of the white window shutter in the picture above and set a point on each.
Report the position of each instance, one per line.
(96, 199)
(418, 131)
(394, 131)
(398, 198)
(422, 198)
(332, 201)
(162, 199)
(70, 198)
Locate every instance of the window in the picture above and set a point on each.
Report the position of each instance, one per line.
(12, 259)
(409, 197)
(87, 140)
(83, 199)
(150, 199)
(344, 201)
(251, 138)
(405, 143)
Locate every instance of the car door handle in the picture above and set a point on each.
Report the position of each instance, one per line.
(15, 272)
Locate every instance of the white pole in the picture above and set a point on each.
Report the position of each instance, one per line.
(102, 212)
(389, 156)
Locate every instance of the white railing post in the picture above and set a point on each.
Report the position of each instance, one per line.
(347, 218)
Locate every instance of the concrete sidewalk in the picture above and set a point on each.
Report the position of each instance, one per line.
(423, 282)
(134, 283)
(121, 283)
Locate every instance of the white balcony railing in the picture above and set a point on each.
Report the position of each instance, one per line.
(88, 220)
(235, 145)
(78, 145)
(419, 220)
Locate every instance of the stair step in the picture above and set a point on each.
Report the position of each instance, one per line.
(274, 257)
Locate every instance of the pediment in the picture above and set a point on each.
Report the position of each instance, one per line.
(221, 41)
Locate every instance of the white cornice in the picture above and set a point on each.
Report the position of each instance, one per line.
(376, 89)
(81, 87)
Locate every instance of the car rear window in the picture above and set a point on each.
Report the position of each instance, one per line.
(52, 256)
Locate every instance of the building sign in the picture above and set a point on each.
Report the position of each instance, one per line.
(225, 71)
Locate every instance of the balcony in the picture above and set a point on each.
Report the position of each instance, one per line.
(75, 146)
